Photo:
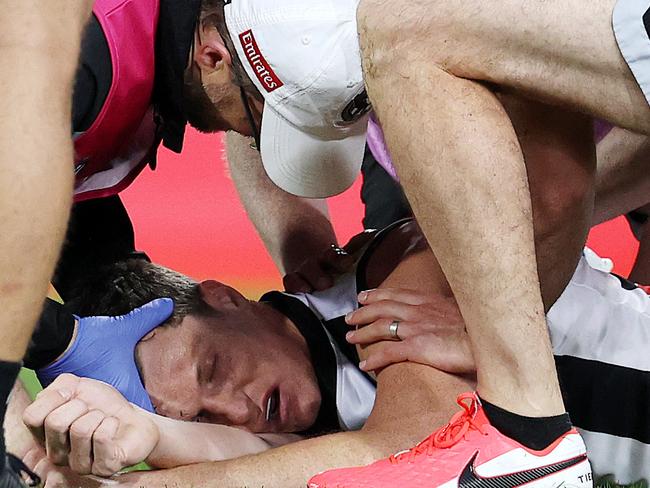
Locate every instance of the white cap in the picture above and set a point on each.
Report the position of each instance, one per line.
(304, 58)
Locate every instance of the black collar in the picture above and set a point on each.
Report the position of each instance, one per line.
(176, 26)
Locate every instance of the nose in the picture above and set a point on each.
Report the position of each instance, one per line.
(233, 408)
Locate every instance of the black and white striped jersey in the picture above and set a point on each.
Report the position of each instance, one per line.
(600, 330)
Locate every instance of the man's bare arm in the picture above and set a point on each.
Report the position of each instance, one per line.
(293, 229)
(183, 443)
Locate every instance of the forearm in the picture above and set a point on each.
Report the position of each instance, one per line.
(623, 182)
(35, 188)
(286, 467)
(183, 443)
(292, 228)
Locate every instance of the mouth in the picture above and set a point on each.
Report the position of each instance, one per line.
(273, 405)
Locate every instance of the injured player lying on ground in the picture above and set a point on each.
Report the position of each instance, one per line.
(283, 365)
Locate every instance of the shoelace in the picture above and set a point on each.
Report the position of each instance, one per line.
(458, 428)
(18, 467)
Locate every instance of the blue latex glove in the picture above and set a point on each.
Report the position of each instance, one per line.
(104, 349)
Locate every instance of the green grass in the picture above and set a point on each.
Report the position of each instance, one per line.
(608, 482)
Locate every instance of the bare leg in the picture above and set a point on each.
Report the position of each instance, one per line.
(561, 166)
(39, 46)
(563, 52)
(473, 204)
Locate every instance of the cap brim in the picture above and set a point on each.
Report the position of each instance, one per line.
(307, 166)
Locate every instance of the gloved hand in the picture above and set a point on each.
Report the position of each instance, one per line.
(104, 349)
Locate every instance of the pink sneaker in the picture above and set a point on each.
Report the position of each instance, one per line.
(470, 453)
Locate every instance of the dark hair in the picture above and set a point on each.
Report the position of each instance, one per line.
(117, 288)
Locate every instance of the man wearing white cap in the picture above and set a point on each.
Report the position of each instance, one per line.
(303, 68)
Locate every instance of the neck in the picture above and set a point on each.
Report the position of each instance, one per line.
(285, 324)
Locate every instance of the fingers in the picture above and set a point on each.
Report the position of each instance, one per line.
(37, 461)
(357, 242)
(385, 354)
(81, 441)
(379, 330)
(409, 297)
(48, 400)
(383, 309)
(336, 260)
(318, 273)
(295, 283)
(143, 320)
(109, 458)
(309, 277)
(451, 354)
(57, 425)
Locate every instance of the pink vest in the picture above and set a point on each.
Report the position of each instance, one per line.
(122, 140)
(377, 145)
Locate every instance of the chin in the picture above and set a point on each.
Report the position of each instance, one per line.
(309, 408)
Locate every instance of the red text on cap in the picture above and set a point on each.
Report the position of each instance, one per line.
(263, 71)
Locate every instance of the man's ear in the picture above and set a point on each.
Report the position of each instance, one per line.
(212, 54)
(220, 296)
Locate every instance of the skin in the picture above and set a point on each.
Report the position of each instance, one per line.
(293, 229)
(487, 233)
(487, 251)
(428, 402)
(212, 98)
(623, 182)
(222, 368)
(35, 155)
(304, 230)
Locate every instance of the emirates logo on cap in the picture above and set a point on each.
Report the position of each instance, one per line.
(261, 68)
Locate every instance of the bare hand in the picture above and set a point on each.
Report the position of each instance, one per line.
(88, 426)
(431, 330)
(319, 273)
(57, 476)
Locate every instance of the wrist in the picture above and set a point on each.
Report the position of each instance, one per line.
(157, 449)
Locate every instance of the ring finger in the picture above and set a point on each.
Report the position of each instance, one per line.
(81, 441)
(57, 425)
(379, 330)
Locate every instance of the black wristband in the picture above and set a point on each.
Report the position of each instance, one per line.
(51, 337)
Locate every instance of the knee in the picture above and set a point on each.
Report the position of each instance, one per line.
(396, 39)
(374, 38)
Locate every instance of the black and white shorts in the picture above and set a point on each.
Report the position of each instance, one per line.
(631, 22)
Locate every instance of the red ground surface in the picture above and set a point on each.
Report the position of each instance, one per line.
(188, 217)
